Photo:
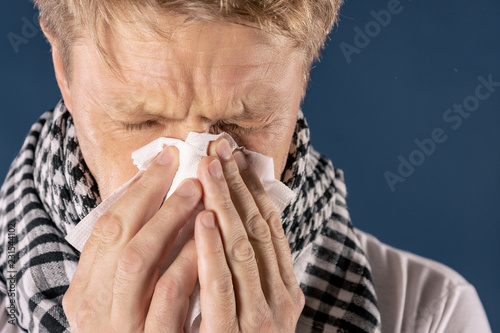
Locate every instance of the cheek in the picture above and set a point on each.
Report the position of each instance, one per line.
(106, 149)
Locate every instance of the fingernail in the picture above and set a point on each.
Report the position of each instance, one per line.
(224, 150)
(241, 160)
(186, 189)
(215, 169)
(208, 221)
(165, 157)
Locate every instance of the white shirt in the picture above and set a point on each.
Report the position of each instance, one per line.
(420, 295)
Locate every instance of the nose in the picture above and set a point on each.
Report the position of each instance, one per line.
(192, 124)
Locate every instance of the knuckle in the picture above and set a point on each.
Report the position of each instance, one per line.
(258, 228)
(295, 300)
(174, 213)
(109, 228)
(171, 210)
(300, 299)
(255, 186)
(85, 314)
(275, 222)
(288, 307)
(242, 250)
(147, 184)
(288, 314)
(285, 303)
(217, 250)
(238, 185)
(170, 289)
(188, 254)
(222, 286)
(260, 318)
(290, 281)
(131, 260)
(231, 171)
(226, 202)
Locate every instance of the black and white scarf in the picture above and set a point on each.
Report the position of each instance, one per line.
(49, 189)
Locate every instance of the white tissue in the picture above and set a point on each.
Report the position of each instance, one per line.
(191, 152)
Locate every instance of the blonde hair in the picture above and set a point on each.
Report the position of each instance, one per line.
(306, 22)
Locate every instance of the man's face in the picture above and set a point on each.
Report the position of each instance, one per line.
(207, 77)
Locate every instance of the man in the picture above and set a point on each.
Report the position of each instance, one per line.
(131, 73)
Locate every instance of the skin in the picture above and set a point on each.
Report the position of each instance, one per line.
(207, 77)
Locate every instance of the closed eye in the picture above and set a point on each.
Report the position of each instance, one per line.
(223, 126)
(140, 126)
(220, 126)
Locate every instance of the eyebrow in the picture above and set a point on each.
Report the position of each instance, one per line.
(131, 108)
(251, 111)
(258, 111)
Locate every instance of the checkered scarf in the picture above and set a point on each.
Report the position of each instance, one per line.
(49, 189)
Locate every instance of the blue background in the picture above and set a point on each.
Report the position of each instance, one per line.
(364, 114)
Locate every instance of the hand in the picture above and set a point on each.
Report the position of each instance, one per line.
(117, 286)
(244, 261)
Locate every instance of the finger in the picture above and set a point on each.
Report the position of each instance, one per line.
(238, 249)
(170, 302)
(124, 219)
(118, 225)
(98, 258)
(256, 226)
(216, 285)
(254, 185)
(144, 198)
(240, 195)
(267, 210)
(144, 255)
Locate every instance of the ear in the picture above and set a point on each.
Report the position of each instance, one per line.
(62, 81)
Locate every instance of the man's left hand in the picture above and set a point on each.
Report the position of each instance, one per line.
(244, 261)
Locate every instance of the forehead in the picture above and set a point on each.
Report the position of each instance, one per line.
(216, 63)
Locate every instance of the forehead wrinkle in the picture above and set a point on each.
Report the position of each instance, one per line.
(186, 72)
(171, 67)
(152, 94)
(244, 103)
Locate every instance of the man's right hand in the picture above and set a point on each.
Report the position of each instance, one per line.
(117, 286)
